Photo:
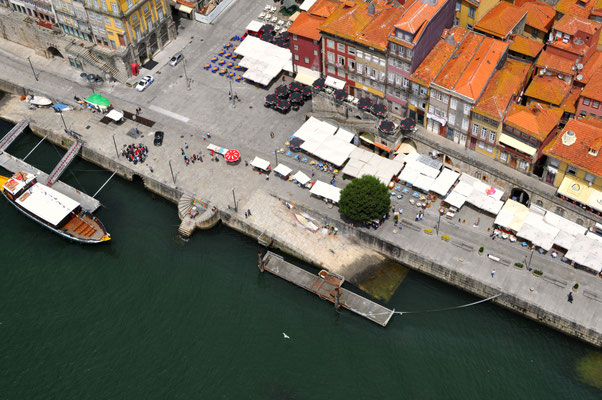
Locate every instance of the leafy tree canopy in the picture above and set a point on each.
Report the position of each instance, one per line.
(364, 199)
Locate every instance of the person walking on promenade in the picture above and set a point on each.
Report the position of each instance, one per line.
(492, 272)
(249, 212)
(150, 167)
(272, 135)
(570, 297)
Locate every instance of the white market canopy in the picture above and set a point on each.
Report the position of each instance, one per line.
(363, 162)
(282, 170)
(344, 135)
(254, 26)
(326, 191)
(587, 251)
(569, 230)
(301, 178)
(512, 215)
(115, 115)
(306, 5)
(477, 193)
(47, 203)
(320, 140)
(260, 163)
(444, 181)
(537, 231)
(263, 60)
(423, 182)
(334, 83)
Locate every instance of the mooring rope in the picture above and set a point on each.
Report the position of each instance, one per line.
(448, 308)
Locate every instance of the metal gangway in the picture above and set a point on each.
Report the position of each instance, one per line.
(64, 163)
(13, 134)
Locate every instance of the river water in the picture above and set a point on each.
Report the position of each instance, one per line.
(148, 316)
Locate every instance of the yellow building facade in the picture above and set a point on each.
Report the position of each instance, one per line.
(469, 12)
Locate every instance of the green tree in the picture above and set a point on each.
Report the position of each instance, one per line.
(364, 199)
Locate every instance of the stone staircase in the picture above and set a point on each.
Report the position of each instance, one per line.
(187, 226)
(87, 55)
(185, 204)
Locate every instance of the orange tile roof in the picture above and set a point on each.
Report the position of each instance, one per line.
(589, 136)
(417, 15)
(438, 57)
(536, 119)
(593, 64)
(548, 89)
(501, 19)
(352, 21)
(539, 15)
(570, 7)
(597, 10)
(472, 65)
(593, 90)
(307, 26)
(323, 8)
(570, 103)
(571, 24)
(523, 45)
(555, 63)
(504, 84)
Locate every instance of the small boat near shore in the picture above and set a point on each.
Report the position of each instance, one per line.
(54, 210)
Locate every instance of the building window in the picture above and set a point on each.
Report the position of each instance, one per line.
(571, 170)
(475, 130)
(391, 78)
(294, 37)
(559, 211)
(523, 165)
(586, 101)
(330, 57)
(466, 109)
(469, 27)
(351, 64)
(341, 60)
(481, 145)
(458, 5)
(129, 3)
(453, 103)
(360, 54)
(295, 47)
(483, 133)
(503, 156)
(306, 59)
(406, 82)
(341, 47)
(471, 11)
(590, 178)
(452, 119)
(351, 50)
(492, 136)
(360, 68)
(465, 124)
(489, 148)
(315, 52)
(341, 72)
(330, 43)
(596, 104)
(331, 70)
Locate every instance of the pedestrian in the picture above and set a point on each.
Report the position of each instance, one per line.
(249, 212)
(272, 135)
(246, 215)
(283, 78)
(204, 138)
(492, 272)
(312, 173)
(417, 216)
(182, 150)
(570, 297)
(246, 163)
(137, 110)
(185, 145)
(208, 135)
(459, 220)
(150, 167)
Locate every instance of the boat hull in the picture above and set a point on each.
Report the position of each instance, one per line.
(55, 230)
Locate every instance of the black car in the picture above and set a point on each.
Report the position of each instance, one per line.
(158, 138)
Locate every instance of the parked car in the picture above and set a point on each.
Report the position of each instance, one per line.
(158, 138)
(144, 83)
(175, 60)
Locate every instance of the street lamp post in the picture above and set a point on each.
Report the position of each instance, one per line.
(234, 197)
(32, 70)
(186, 75)
(438, 223)
(172, 175)
(115, 143)
(63, 119)
(276, 154)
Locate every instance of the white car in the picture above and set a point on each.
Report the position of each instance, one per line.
(144, 83)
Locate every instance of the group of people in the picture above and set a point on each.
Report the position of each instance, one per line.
(420, 215)
(136, 153)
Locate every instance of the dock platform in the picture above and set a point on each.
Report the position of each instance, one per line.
(326, 286)
(14, 164)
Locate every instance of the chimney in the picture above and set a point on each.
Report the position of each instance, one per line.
(371, 9)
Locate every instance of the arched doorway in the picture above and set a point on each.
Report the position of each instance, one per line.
(520, 195)
(152, 42)
(407, 146)
(53, 51)
(142, 53)
(163, 35)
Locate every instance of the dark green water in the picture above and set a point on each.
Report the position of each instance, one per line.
(146, 317)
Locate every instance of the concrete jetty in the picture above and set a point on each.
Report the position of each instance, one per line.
(327, 287)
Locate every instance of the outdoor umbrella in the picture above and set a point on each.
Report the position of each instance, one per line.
(282, 91)
(285, 35)
(295, 143)
(232, 155)
(296, 97)
(340, 94)
(386, 126)
(295, 86)
(306, 92)
(270, 100)
(267, 37)
(319, 83)
(267, 28)
(379, 110)
(283, 105)
(365, 103)
(91, 77)
(83, 75)
(408, 124)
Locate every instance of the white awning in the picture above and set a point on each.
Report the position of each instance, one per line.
(345, 135)
(455, 199)
(537, 231)
(306, 5)
(183, 8)
(517, 144)
(409, 174)
(260, 163)
(263, 60)
(282, 170)
(301, 178)
(115, 115)
(587, 251)
(326, 191)
(444, 181)
(306, 76)
(334, 83)
(254, 26)
(423, 182)
(512, 215)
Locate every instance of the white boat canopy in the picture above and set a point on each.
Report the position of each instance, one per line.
(47, 203)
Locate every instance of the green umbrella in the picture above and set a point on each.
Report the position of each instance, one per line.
(98, 100)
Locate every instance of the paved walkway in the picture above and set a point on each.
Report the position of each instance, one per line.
(247, 128)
